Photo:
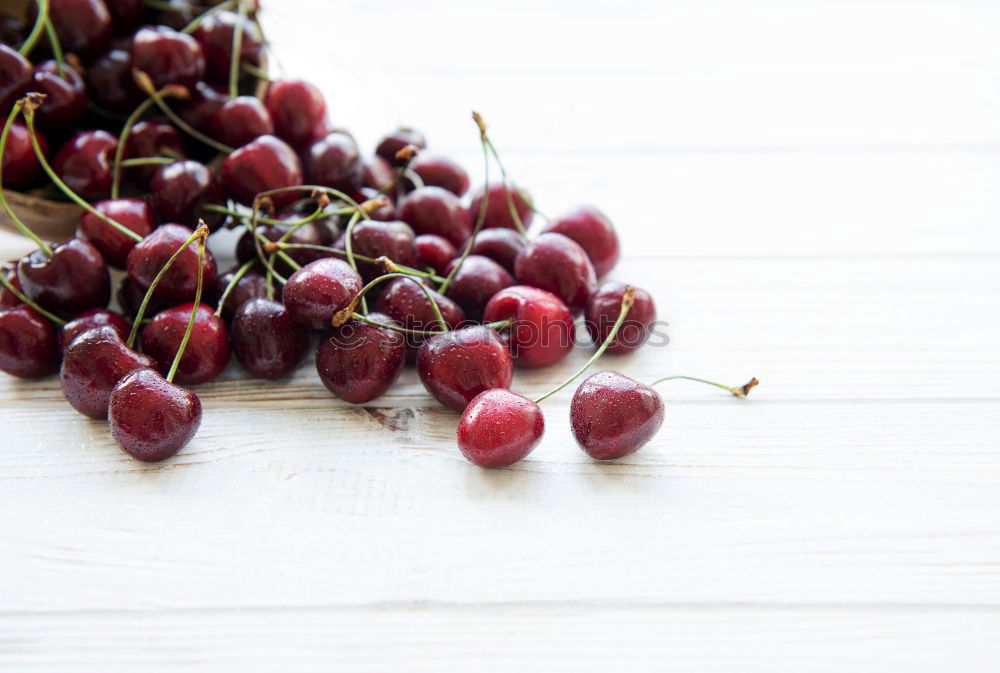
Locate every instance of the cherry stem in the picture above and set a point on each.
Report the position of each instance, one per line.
(187, 128)
(507, 190)
(194, 310)
(193, 26)
(236, 55)
(498, 325)
(201, 233)
(122, 140)
(148, 161)
(21, 226)
(628, 297)
(345, 314)
(738, 391)
(216, 208)
(24, 300)
(349, 249)
(314, 190)
(33, 100)
(36, 30)
(384, 261)
(242, 271)
(259, 73)
(57, 52)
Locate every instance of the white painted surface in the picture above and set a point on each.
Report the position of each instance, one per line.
(809, 189)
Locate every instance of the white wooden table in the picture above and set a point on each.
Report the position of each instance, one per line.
(809, 189)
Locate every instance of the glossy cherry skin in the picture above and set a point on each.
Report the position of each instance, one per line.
(114, 246)
(9, 271)
(603, 308)
(93, 363)
(542, 331)
(458, 365)
(264, 164)
(85, 163)
(83, 26)
(266, 341)
(167, 56)
(378, 174)
(207, 352)
(501, 245)
(240, 121)
(612, 415)
(66, 97)
(558, 264)
(376, 239)
(110, 84)
(205, 101)
(433, 210)
(179, 14)
(252, 285)
(476, 282)
(434, 251)
(499, 428)
(73, 279)
(334, 161)
(21, 168)
(180, 282)
(95, 317)
(594, 232)
(384, 213)
(150, 418)
(497, 210)
(313, 233)
(358, 361)
(404, 301)
(437, 171)
(29, 346)
(15, 77)
(298, 110)
(318, 290)
(397, 140)
(215, 35)
(179, 190)
(151, 139)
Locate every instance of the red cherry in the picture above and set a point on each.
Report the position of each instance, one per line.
(476, 282)
(558, 264)
(177, 14)
(433, 210)
(205, 101)
(334, 161)
(15, 77)
(266, 341)
(92, 364)
(497, 210)
(110, 84)
(206, 353)
(298, 110)
(83, 26)
(442, 172)
(397, 140)
(499, 428)
(179, 190)
(603, 308)
(613, 415)
(434, 251)
(458, 365)
(95, 317)
(66, 97)
(358, 361)
(501, 245)
(28, 343)
(252, 285)
(8, 298)
(241, 120)
(384, 213)
(594, 232)
(404, 301)
(150, 139)
(314, 233)
(542, 330)
(85, 163)
(378, 174)
(73, 279)
(215, 35)
(167, 56)
(180, 282)
(264, 164)
(20, 163)
(150, 418)
(318, 290)
(114, 246)
(376, 239)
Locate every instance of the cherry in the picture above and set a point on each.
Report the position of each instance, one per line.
(152, 139)
(92, 364)
(167, 56)
(15, 77)
(110, 84)
(499, 428)
(252, 285)
(318, 290)
(179, 190)
(314, 233)
(134, 214)
(180, 281)
(151, 418)
(376, 239)
(85, 163)
(66, 96)
(501, 245)
(126, 15)
(261, 165)
(20, 163)
(176, 14)
(74, 278)
(334, 161)
(404, 301)
(475, 283)
(594, 232)
(266, 341)
(433, 210)
(83, 26)
(603, 308)
(298, 110)
(215, 35)
(378, 174)
(28, 343)
(433, 251)
(206, 353)
(397, 140)
(8, 298)
(613, 415)
(456, 366)
(240, 120)
(558, 264)
(498, 211)
(89, 319)
(359, 361)
(205, 101)
(442, 172)
(542, 330)
(12, 30)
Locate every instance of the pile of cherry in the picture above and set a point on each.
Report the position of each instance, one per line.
(146, 108)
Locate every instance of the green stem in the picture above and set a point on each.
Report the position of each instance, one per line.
(21, 226)
(236, 55)
(349, 249)
(24, 300)
(216, 208)
(122, 140)
(36, 30)
(346, 313)
(242, 271)
(148, 161)
(187, 128)
(507, 190)
(480, 219)
(408, 270)
(57, 52)
(193, 26)
(194, 310)
(738, 391)
(259, 73)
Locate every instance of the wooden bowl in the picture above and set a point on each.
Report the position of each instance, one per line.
(51, 220)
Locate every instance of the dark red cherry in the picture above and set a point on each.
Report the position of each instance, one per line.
(66, 97)
(180, 282)
(334, 161)
(433, 251)
(85, 163)
(252, 285)
(499, 428)
(150, 418)
(318, 290)
(266, 341)
(83, 26)
(298, 110)
(264, 164)
(215, 35)
(15, 77)
(241, 120)
(404, 301)
(176, 13)
(501, 245)
(205, 101)
(612, 415)
(152, 139)
(376, 239)
(95, 317)
(21, 168)
(126, 15)
(378, 174)
(458, 365)
(114, 246)
(314, 233)
(92, 364)
(602, 312)
(167, 56)
(207, 352)
(542, 332)
(476, 282)
(397, 140)
(497, 210)
(179, 190)
(73, 279)
(358, 361)
(384, 213)
(558, 264)
(8, 298)
(28, 343)
(12, 30)
(433, 210)
(437, 171)
(594, 232)
(110, 84)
